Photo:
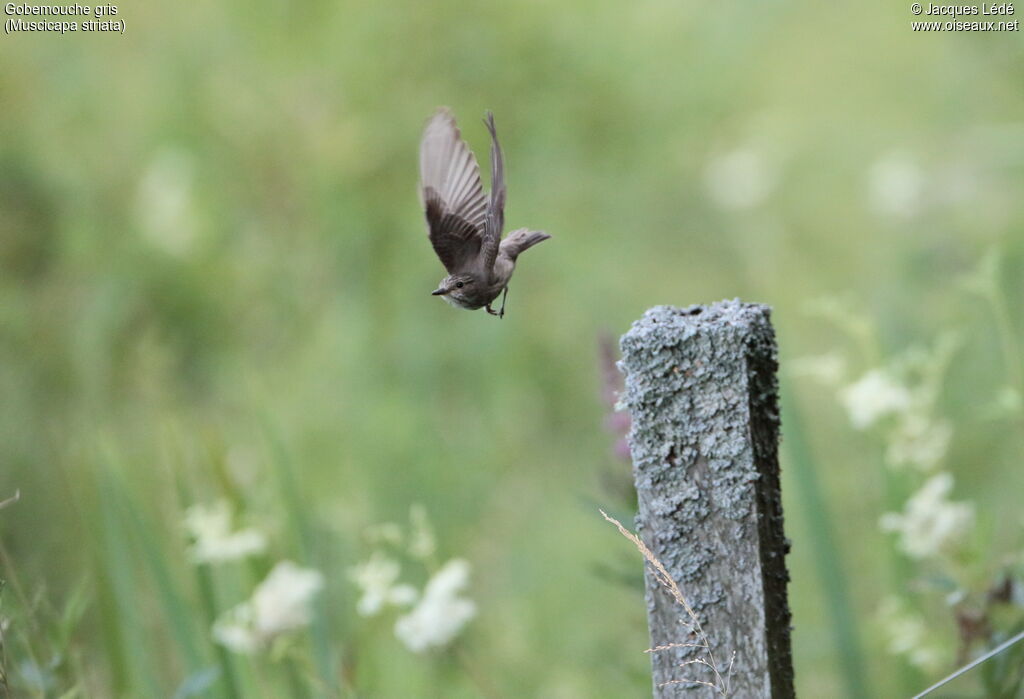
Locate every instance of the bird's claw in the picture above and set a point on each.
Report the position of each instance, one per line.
(499, 313)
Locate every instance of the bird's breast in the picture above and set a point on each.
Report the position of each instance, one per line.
(461, 302)
(478, 298)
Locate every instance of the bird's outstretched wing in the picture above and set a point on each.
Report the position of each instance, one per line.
(496, 206)
(452, 193)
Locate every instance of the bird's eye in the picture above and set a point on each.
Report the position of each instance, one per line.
(459, 285)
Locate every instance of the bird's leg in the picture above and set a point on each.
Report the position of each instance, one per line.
(501, 312)
(504, 295)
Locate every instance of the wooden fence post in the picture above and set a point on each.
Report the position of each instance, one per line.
(702, 393)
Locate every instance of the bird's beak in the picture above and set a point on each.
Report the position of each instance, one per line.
(439, 291)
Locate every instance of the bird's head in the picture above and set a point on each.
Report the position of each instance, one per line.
(456, 289)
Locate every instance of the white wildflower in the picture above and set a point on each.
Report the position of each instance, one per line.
(441, 613)
(210, 527)
(281, 601)
(376, 579)
(828, 369)
(909, 636)
(896, 185)
(919, 442)
(164, 204)
(421, 538)
(930, 523)
(234, 630)
(279, 604)
(740, 179)
(872, 397)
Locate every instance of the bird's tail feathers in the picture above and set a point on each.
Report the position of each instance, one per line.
(521, 239)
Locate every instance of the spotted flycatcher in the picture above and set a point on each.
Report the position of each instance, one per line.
(464, 225)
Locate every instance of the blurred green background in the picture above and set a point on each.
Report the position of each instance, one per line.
(214, 282)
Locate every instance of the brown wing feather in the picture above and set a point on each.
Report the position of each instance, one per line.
(452, 192)
(496, 206)
(456, 241)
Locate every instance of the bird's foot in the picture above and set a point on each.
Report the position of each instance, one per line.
(504, 295)
(500, 314)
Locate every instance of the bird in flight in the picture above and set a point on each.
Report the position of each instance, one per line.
(464, 225)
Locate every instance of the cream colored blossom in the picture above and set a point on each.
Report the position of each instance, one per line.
(279, 604)
(213, 539)
(376, 579)
(234, 630)
(919, 442)
(909, 636)
(873, 396)
(441, 613)
(930, 523)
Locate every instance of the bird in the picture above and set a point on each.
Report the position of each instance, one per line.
(463, 225)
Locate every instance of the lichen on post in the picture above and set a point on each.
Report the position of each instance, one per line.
(701, 389)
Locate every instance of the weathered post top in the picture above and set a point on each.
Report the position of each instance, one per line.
(702, 393)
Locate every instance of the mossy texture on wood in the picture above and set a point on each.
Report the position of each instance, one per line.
(702, 392)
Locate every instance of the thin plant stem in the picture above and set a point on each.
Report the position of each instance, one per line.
(827, 556)
(720, 685)
(973, 664)
(209, 601)
(11, 500)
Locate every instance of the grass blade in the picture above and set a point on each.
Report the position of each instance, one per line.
(827, 559)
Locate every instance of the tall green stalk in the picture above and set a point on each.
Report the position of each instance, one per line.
(827, 558)
(303, 532)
